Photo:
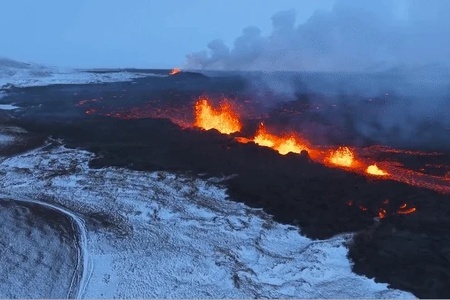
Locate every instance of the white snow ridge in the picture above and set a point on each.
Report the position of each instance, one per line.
(179, 237)
(20, 74)
(7, 106)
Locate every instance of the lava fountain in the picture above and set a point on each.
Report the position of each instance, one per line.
(343, 157)
(175, 71)
(283, 145)
(224, 119)
(374, 170)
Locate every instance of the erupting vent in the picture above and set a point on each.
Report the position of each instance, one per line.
(175, 71)
(374, 170)
(224, 119)
(342, 157)
(283, 145)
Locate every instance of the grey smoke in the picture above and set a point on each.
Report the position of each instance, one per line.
(380, 69)
(390, 108)
(353, 36)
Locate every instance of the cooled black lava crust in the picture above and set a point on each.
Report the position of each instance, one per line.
(410, 252)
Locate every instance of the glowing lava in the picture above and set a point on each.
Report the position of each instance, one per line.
(343, 156)
(283, 145)
(175, 71)
(374, 170)
(382, 213)
(404, 210)
(224, 119)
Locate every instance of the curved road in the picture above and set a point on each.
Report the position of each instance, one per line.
(83, 270)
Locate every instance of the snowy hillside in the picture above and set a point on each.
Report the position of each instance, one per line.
(171, 236)
(9, 135)
(5, 139)
(20, 74)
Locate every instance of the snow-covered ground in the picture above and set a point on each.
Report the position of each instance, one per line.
(21, 74)
(33, 248)
(5, 139)
(10, 135)
(174, 236)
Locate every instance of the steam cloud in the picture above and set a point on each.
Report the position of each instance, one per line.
(353, 36)
(383, 69)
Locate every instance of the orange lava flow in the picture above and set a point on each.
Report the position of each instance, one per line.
(224, 119)
(382, 213)
(343, 156)
(406, 211)
(402, 210)
(175, 71)
(413, 178)
(374, 170)
(283, 145)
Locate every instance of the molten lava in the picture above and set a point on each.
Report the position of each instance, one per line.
(223, 119)
(283, 145)
(374, 170)
(226, 120)
(343, 156)
(381, 213)
(175, 71)
(404, 210)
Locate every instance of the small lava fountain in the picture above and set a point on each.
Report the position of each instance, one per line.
(175, 71)
(283, 145)
(374, 170)
(343, 157)
(224, 119)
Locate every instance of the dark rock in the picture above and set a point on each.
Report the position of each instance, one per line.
(409, 252)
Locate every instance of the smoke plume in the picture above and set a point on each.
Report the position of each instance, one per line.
(353, 36)
(365, 71)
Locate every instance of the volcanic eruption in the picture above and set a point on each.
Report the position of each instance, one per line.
(283, 145)
(374, 170)
(224, 118)
(343, 156)
(175, 71)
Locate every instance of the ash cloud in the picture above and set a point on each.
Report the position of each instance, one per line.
(353, 36)
(407, 108)
(379, 70)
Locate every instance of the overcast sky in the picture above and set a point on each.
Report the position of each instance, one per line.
(131, 33)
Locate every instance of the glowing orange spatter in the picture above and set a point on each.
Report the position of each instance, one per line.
(283, 145)
(175, 71)
(223, 119)
(374, 170)
(404, 210)
(343, 156)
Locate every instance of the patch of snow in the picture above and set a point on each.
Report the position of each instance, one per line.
(71, 271)
(180, 237)
(8, 107)
(32, 250)
(5, 139)
(18, 74)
